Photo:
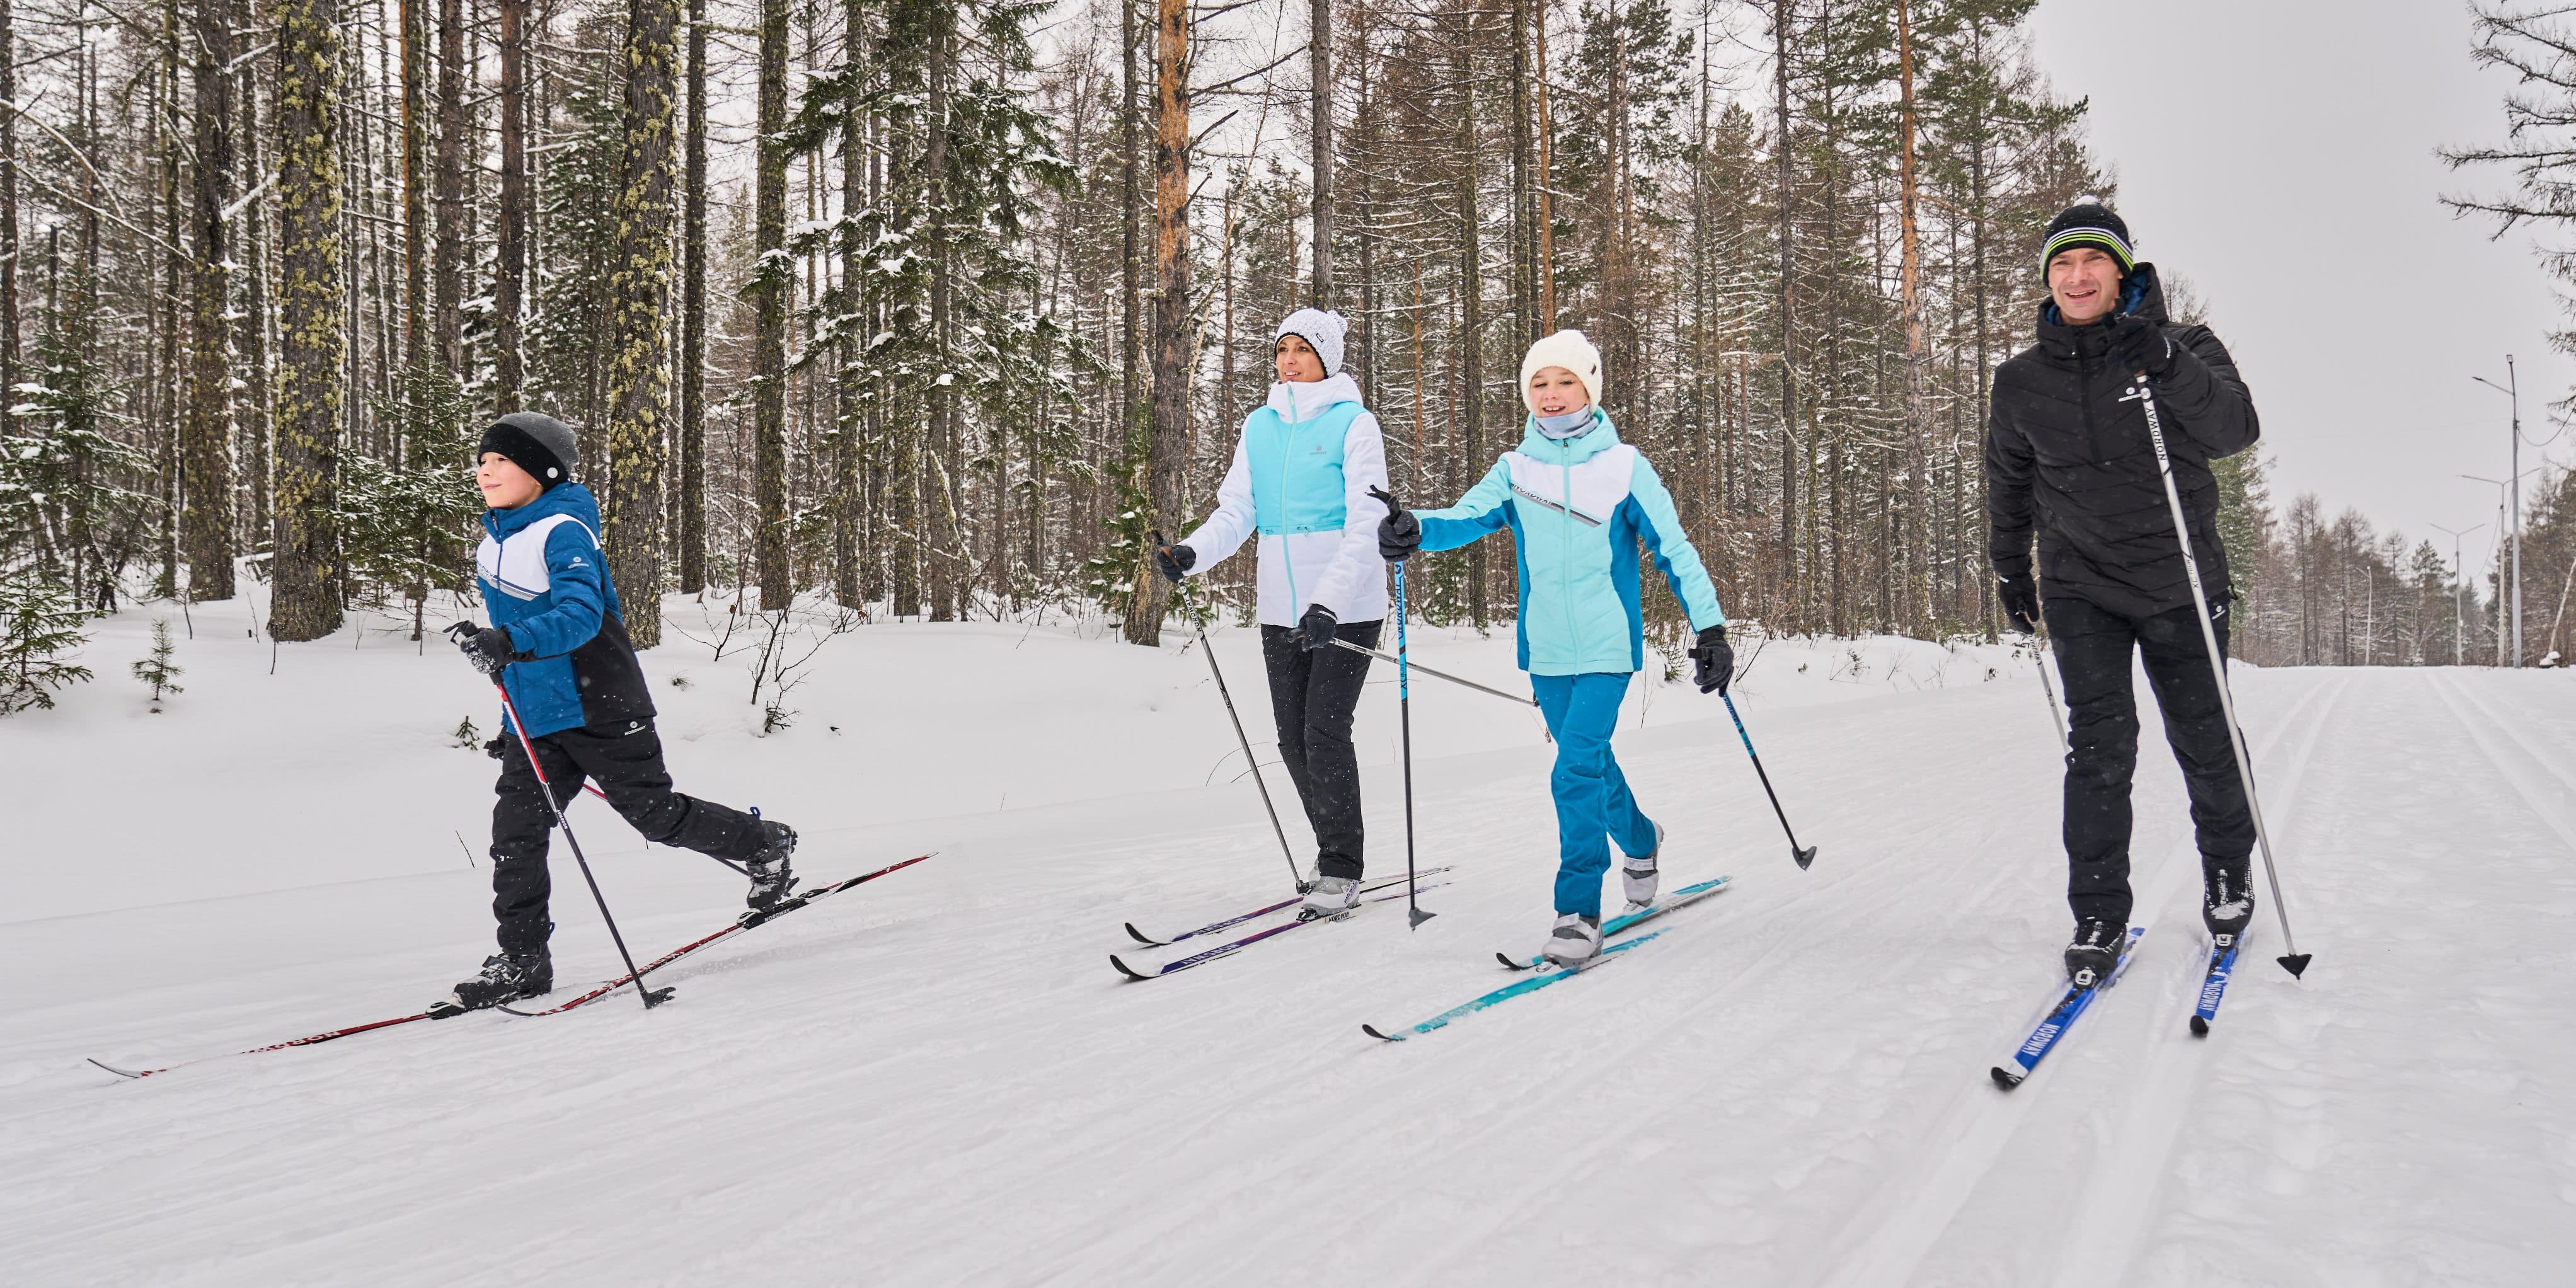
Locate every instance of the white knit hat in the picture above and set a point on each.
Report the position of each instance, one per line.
(1567, 349)
(1322, 329)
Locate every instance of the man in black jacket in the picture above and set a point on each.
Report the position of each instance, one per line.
(2067, 454)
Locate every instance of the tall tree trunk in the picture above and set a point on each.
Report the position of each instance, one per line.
(208, 521)
(447, 286)
(1917, 609)
(307, 589)
(1546, 178)
(253, 414)
(693, 319)
(1167, 454)
(847, 390)
(1789, 599)
(1131, 214)
(1319, 67)
(639, 289)
(771, 282)
(415, 194)
(1471, 294)
(510, 267)
(9, 351)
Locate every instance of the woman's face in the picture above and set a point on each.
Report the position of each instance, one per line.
(1297, 361)
(1554, 391)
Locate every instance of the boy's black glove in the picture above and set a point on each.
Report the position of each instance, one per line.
(2019, 596)
(1174, 562)
(1713, 660)
(487, 648)
(1315, 629)
(498, 747)
(2140, 345)
(1399, 534)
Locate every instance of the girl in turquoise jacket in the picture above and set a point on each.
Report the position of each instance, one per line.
(1578, 502)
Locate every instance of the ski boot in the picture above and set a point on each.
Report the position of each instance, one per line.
(1639, 877)
(771, 877)
(2094, 952)
(1330, 897)
(2227, 901)
(504, 978)
(1575, 941)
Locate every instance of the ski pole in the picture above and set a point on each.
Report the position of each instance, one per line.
(1401, 664)
(2055, 716)
(2294, 961)
(1803, 856)
(1414, 914)
(652, 996)
(1198, 620)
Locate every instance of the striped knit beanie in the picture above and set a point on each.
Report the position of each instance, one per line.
(2088, 223)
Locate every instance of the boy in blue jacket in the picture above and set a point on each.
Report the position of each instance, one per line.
(1577, 501)
(558, 645)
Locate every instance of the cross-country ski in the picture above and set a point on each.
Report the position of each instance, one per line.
(2077, 997)
(1371, 886)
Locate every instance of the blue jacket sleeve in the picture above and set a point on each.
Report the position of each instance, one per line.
(1478, 513)
(577, 586)
(1661, 526)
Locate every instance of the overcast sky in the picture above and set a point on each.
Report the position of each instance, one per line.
(2279, 154)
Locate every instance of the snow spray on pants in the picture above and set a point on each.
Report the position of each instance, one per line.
(1593, 804)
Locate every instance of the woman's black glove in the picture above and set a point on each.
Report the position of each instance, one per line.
(1315, 629)
(1713, 660)
(1174, 562)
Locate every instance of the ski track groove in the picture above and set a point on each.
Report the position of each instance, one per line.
(1928, 1189)
(2512, 771)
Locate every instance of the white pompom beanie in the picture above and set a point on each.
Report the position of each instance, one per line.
(1567, 349)
(1322, 329)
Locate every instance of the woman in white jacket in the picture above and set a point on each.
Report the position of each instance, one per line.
(1301, 478)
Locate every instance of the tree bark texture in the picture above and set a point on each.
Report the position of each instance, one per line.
(206, 524)
(1167, 452)
(771, 282)
(693, 320)
(307, 576)
(510, 267)
(639, 289)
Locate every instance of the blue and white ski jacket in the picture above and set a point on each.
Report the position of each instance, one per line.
(1577, 509)
(545, 581)
(1301, 477)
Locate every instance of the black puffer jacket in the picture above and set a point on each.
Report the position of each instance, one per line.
(2067, 451)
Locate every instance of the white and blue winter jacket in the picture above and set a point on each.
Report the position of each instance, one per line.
(1577, 509)
(545, 581)
(1300, 479)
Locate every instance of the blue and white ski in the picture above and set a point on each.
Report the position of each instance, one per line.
(1682, 898)
(1518, 988)
(2078, 998)
(2213, 984)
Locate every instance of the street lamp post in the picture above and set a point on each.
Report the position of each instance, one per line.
(2459, 614)
(2511, 389)
(2506, 509)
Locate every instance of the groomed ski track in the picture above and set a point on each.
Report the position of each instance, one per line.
(933, 1080)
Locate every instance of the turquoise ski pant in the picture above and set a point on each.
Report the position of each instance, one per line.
(1593, 806)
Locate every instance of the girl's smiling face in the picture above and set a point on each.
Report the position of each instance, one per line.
(1554, 391)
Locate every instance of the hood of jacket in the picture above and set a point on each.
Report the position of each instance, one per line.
(1569, 451)
(2142, 295)
(563, 498)
(1305, 400)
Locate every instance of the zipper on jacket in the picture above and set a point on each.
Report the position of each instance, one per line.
(1565, 471)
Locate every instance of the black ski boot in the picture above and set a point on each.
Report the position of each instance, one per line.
(2094, 952)
(2227, 899)
(771, 877)
(504, 979)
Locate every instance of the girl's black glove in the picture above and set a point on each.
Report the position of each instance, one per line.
(1712, 661)
(1399, 534)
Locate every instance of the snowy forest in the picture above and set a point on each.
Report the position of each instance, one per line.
(924, 309)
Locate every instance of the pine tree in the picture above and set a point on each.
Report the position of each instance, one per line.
(157, 669)
(40, 630)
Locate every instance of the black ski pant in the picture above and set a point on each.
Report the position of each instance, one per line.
(1312, 696)
(625, 759)
(2093, 648)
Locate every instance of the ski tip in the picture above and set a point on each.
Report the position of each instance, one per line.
(1125, 969)
(1371, 1030)
(122, 1073)
(2005, 1079)
(2199, 1027)
(443, 1010)
(2296, 964)
(1141, 937)
(1805, 857)
(1511, 963)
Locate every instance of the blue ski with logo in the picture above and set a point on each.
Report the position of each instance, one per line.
(2077, 999)
(2213, 983)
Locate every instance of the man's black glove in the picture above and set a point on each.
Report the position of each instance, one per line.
(1713, 660)
(2019, 596)
(2140, 345)
(1399, 534)
(1174, 562)
(1315, 629)
(487, 648)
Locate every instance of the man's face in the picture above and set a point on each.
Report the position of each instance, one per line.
(1554, 391)
(504, 485)
(2085, 282)
(1298, 362)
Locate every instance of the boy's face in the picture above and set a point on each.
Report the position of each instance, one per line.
(2085, 282)
(1554, 391)
(505, 486)
(1297, 361)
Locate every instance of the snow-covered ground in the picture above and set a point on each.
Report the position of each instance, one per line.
(937, 1079)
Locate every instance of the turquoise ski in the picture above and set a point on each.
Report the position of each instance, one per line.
(1507, 992)
(1682, 898)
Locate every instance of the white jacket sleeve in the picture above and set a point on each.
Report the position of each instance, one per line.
(1225, 530)
(1363, 467)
